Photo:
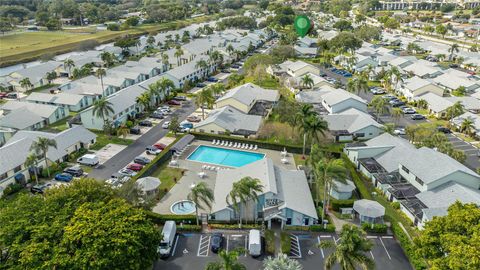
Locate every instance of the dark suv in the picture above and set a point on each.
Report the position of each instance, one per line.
(217, 242)
(76, 171)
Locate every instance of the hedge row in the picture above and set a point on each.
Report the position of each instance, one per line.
(377, 228)
(270, 242)
(337, 204)
(285, 242)
(356, 178)
(312, 228)
(416, 260)
(160, 219)
(189, 228)
(234, 226)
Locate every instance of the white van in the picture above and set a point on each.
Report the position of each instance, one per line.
(254, 243)
(88, 159)
(168, 238)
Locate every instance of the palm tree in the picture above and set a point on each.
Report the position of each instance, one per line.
(100, 73)
(467, 126)
(380, 105)
(230, 48)
(201, 195)
(31, 164)
(307, 81)
(395, 75)
(25, 83)
(389, 128)
(107, 59)
(326, 170)
(154, 91)
(203, 66)
(150, 41)
(243, 191)
(455, 110)
(315, 128)
(229, 261)
(357, 84)
(217, 88)
(123, 131)
(204, 99)
(397, 114)
(102, 108)
(165, 85)
(165, 62)
(144, 100)
(301, 117)
(452, 50)
(41, 147)
(178, 53)
(281, 262)
(68, 64)
(349, 251)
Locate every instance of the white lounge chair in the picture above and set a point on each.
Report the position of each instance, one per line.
(201, 174)
(230, 144)
(234, 145)
(244, 146)
(251, 147)
(284, 160)
(214, 141)
(217, 169)
(212, 168)
(238, 145)
(222, 143)
(256, 147)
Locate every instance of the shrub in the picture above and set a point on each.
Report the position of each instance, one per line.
(296, 228)
(160, 219)
(270, 242)
(12, 188)
(319, 228)
(377, 228)
(337, 204)
(189, 228)
(415, 259)
(396, 205)
(234, 226)
(285, 242)
(113, 27)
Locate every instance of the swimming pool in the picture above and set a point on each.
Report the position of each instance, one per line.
(223, 156)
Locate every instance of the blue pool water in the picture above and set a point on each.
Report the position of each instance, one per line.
(224, 157)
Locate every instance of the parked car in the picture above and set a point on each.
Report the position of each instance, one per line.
(157, 115)
(200, 85)
(40, 188)
(399, 131)
(141, 160)
(254, 243)
(139, 115)
(398, 103)
(64, 177)
(12, 95)
(180, 98)
(145, 123)
(444, 130)
(165, 124)
(186, 124)
(163, 111)
(212, 79)
(217, 242)
(127, 172)
(377, 91)
(169, 232)
(164, 107)
(389, 97)
(88, 159)
(135, 130)
(174, 103)
(160, 146)
(409, 110)
(194, 118)
(152, 150)
(76, 171)
(3, 95)
(417, 117)
(135, 167)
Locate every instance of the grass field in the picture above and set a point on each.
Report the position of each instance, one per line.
(28, 46)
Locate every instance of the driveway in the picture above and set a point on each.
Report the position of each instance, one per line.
(135, 149)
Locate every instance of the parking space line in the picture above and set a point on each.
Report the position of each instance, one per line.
(373, 258)
(246, 243)
(202, 248)
(228, 239)
(175, 246)
(371, 237)
(321, 249)
(387, 237)
(325, 236)
(388, 254)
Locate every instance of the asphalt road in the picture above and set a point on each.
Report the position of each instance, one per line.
(124, 157)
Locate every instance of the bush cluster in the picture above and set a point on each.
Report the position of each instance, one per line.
(337, 204)
(285, 242)
(234, 226)
(270, 242)
(312, 228)
(12, 188)
(377, 228)
(409, 247)
(160, 219)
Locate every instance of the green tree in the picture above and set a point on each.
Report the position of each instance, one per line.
(243, 191)
(100, 73)
(301, 121)
(454, 48)
(68, 64)
(380, 105)
(391, 23)
(178, 54)
(281, 262)
(25, 83)
(202, 196)
(307, 81)
(31, 163)
(452, 241)
(123, 131)
(202, 65)
(51, 76)
(132, 21)
(204, 99)
(228, 261)
(102, 108)
(357, 84)
(467, 126)
(41, 147)
(144, 100)
(327, 170)
(343, 25)
(5, 25)
(349, 251)
(174, 124)
(441, 30)
(397, 113)
(455, 110)
(107, 58)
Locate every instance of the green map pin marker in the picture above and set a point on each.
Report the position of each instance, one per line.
(302, 25)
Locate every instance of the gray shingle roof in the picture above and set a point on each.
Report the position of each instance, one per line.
(232, 120)
(351, 120)
(447, 194)
(60, 98)
(249, 92)
(42, 110)
(20, 119)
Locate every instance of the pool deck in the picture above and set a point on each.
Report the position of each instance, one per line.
(181, 190)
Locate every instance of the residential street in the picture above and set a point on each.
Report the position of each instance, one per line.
(125, 156)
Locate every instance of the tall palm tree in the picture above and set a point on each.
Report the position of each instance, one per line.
(202, 196)
(41, 146)
(144, 100)
(25, 83)
(100, 73)
(204, 99)
(325, 171)
(166, 85)
(380, 106)
(107, 59)
(395, 76)
(102, 108)
(68, 64)
(203, 66)
(154, 91)
(230, 48)
(455, 48)
(467, 126)
(301, 118)
(307, 81)
(349, 251)
(165, 62)
(228, 261)
(455, 110)
(396, 114)
(315, 128)
(178, 53)
(123, 131)
(357, 84)
(31, 164)
(243, 191)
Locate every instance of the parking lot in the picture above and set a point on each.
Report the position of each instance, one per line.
(472, 153)
(192, 251)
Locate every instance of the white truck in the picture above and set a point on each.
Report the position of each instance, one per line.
(254, 243)
(88, 159)
(168, 238)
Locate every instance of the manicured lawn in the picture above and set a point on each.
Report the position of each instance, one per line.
(298, 159)
(103, 140)
(167, 176)
(57, 126)
(269, 82)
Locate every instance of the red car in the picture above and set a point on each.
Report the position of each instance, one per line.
(174, 102)
(2, 94)
(160, 146)
(135, 167)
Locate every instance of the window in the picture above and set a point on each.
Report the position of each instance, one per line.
(405, 169)
(289, 221)
(360, 135)
(212, 131)
(419, 180)
(202, 130)
(17, 169)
